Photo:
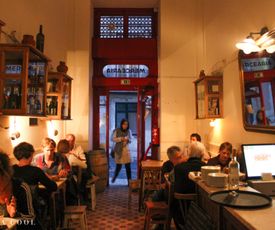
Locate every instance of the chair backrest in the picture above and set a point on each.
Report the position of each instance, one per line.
(152, 179)
(184, 202)
(197, 219)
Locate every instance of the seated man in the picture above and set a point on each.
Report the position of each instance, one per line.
(194, 137)
(76, 154)
(76, 157)
(175, 157)
(223, 158)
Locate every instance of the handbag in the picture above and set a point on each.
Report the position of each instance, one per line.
(112, 153)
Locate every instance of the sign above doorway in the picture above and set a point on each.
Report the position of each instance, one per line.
(125, 70)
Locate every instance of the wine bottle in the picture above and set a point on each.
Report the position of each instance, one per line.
(233, 173)
(40, 40)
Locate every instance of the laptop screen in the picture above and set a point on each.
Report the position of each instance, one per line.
(259, 158)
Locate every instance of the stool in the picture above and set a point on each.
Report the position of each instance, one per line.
(156, 213)
(92, 192)
(75, 212)
(134, 186)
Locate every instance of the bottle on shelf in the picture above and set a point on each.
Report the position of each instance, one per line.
(63, 110)
(47, 108)
(40, 39)
(233, 173)
(51, 107)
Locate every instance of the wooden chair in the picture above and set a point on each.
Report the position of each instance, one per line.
(159, 212)
(92, 192)
(184, 201)
(75, 212)
(134, 187)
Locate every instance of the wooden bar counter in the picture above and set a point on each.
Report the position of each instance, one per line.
(227, 218)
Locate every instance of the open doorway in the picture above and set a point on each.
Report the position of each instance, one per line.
(123, 105)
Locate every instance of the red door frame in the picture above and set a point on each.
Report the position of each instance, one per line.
(142, 92)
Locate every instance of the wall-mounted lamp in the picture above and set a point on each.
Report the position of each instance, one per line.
(213, 123)
(265, 41)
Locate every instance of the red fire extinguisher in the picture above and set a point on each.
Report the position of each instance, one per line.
(155, 136)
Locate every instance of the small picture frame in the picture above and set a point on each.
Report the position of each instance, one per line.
(33, 121)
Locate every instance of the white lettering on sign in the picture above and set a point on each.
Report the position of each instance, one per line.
(125, 82)
(257, 64)
(129, 71)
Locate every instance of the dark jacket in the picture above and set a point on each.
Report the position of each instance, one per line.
(167, 167)
(33, 175)
(215, 161)
(182, 183)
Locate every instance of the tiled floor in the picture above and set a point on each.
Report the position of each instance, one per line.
(112, 211)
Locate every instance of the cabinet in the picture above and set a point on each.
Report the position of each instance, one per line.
(58, 102)
(23, 77)
(209, 97)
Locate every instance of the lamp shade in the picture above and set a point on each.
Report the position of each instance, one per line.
(270, 49)
(248, 45)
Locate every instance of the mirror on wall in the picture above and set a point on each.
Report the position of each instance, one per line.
(258, 91)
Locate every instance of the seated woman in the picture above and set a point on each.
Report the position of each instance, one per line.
(33, 175)
(16, 197)
(182, 182)
(223, 158)
(52, 163)
(63, 149)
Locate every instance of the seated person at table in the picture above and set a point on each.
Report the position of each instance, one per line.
(182, 182)
(33, 175)
(63, 148)
(223, 158)
(175, 157)
(194, 137)
(52, 163)
(76, 154)
(76, 157)
(15, 197)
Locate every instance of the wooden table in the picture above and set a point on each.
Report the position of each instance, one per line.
(61, 190)
(150, 178)
(227, 218)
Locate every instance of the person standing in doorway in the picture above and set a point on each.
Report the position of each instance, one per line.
(122, 138)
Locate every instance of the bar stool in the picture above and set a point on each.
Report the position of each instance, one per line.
(75, 212)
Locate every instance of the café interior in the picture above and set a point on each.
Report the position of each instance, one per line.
(171, 68)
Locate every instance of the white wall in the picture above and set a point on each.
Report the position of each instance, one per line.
(199, 35)
(194, 35)
(66, 25)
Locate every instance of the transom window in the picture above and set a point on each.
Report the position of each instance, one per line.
(111, 27)
(121, 23)
(140, 26)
